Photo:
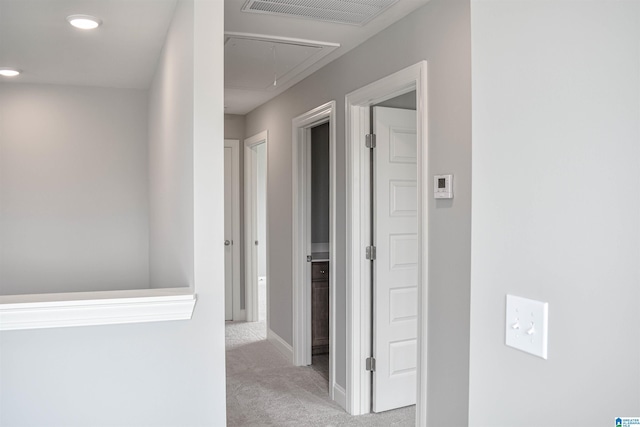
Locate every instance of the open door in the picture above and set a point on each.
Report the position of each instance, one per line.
(255, 232)
(228, 236)
(395, 269)
(231, 230)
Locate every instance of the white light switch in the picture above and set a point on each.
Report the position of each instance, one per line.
(526, 325)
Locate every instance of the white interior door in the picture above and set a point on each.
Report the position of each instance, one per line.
(395, 274)
(228, 233)
(256, 217)
(260, 242)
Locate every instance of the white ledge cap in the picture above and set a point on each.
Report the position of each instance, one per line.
(35, 311)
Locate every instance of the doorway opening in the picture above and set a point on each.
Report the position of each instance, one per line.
(314, 201)
(320, 243)
(256, 233)
(387, 242)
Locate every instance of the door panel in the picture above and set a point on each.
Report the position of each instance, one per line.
(395, 274)
(228, 233)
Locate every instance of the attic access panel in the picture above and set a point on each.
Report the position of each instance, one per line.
(353, 12)
(253, 62)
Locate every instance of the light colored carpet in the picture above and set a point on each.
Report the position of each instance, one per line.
(264, 389)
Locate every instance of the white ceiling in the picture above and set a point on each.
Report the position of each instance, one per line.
(123, 52)
(36, 38)
(244, 64)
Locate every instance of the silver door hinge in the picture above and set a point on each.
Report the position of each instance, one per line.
(370, 140)
(370, 253)
(309, 258)
(371, 364)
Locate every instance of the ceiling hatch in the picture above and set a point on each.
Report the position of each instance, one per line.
(255, 62)
(353, 12)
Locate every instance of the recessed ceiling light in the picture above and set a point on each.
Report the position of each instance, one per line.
(84, 22)
(9, 72)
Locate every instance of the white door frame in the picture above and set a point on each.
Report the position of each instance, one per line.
(358, 316)
(301, 193)
(234, 144)
(251, 224)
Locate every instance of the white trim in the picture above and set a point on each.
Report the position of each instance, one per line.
(95, 308)
(280, 344)
(234, 144)
(340, 396)
(270, 38)
(250, 225)
(358, 337)
(301, 241)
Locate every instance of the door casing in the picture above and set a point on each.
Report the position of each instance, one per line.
(358, 304)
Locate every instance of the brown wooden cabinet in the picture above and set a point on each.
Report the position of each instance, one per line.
(320, 307)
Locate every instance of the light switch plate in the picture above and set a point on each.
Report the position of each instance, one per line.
(527, 325)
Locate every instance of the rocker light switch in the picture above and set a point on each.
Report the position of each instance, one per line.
(526, 325)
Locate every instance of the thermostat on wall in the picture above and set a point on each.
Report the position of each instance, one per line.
(443, 186)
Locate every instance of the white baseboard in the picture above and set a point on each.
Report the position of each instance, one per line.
(280, 344)
(340, 396)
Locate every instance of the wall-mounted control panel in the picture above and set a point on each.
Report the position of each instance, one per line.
(443, 186)
(526, 325)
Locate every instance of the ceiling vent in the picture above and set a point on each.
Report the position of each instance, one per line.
(353, 12)
(266, 63)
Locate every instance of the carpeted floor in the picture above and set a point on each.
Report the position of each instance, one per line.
(264, 389)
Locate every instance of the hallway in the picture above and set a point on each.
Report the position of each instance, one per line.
(264, 389)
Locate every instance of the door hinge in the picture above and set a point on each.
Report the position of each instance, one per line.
(370, 140)
(371, 364)
(370, 253)
(309, 258)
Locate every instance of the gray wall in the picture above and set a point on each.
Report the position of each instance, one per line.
(152, 374)
(73, 186)
(234, 127)
(556, 209)
(171, 158)
(320, 184)
(406, 101)
(439, 33)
